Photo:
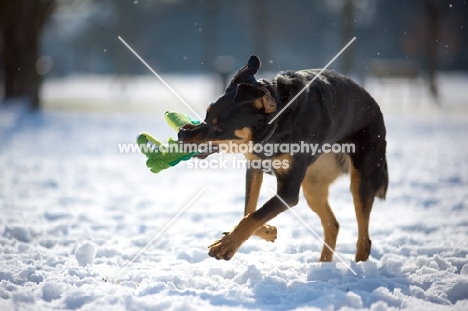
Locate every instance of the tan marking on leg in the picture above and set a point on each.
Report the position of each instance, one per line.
(251, 157)
(254, 192)
(317, 197)
(285, 161)
(266, 232)
(362, 209)
(315, 186)
(228, 245)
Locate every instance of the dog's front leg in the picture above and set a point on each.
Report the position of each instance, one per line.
(253, 183)
(289, 183)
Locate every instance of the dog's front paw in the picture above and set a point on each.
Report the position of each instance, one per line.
(224, 248)
(267, 232)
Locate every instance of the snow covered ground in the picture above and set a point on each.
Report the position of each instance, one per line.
(74, 212)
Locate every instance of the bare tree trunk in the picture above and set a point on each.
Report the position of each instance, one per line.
(432, 38)
(22, 22)
(347, 30)
(210, 34)
(9, 61)
(260, 31)
(31, 79)
(11, 47)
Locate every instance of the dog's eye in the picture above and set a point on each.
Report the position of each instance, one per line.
(217, 128)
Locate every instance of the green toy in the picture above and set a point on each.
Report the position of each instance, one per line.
(162, 156)
(176, 119)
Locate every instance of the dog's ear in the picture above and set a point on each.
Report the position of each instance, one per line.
(246, 73)
(252, 66)
(259, 96)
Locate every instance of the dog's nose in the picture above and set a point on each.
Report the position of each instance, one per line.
(183, 133)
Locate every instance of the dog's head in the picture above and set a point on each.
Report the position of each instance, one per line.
(239, 115)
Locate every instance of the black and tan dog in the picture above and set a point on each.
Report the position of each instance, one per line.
(332, 110)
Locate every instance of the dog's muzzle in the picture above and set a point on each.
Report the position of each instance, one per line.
(183, 134)
(195, 135)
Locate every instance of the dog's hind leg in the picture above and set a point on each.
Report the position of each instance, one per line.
(317, 197)
(363, 206)
(369, 179)
(315, 186)
(254, 178)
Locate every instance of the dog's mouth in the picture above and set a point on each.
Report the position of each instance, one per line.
(207, 141)
(205, 153)
(195, 136)
(201, 149)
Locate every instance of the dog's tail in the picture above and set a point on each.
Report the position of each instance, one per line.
(382, 182)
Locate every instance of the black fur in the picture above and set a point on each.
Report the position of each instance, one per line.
(333, 109)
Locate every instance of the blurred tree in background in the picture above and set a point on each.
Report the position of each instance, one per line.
(22, 22)
(435, 11)
(219, 35)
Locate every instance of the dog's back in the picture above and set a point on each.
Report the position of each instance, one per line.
(333, 110)
(300, 107)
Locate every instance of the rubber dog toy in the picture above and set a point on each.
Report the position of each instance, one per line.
(177, 120)
(162, 156)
